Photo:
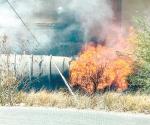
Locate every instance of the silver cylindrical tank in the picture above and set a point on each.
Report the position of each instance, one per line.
(36, 66)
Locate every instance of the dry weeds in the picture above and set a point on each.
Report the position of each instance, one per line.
(107, 101)
(62, 99)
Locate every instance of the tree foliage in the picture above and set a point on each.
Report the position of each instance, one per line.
(140, 80)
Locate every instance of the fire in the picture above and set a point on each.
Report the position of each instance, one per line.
(100, 66)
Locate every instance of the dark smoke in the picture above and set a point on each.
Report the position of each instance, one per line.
(61, 26)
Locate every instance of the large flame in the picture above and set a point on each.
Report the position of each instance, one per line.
(101, 66)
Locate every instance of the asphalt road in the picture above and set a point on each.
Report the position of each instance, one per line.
(53, 116)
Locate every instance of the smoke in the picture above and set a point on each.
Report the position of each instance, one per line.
(87, 19)
(94, 16)
(19, 39)
(58, 25)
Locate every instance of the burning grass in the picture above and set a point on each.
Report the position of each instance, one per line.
(108, 101)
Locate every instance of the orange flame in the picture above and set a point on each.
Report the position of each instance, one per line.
(100, 66)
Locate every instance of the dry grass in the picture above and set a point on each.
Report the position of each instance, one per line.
(108, 101)
(62, 99)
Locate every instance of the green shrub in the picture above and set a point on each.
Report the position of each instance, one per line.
(140, 80)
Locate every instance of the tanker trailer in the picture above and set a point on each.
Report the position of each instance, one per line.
(39, 71)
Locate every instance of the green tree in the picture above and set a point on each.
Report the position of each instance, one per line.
(140, 80)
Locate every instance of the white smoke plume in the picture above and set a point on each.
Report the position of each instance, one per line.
(94, 16)
(19, 39)
(63, 23)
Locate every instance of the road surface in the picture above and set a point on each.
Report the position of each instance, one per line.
(54, 116)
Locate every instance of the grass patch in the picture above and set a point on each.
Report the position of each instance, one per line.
(108, 101)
